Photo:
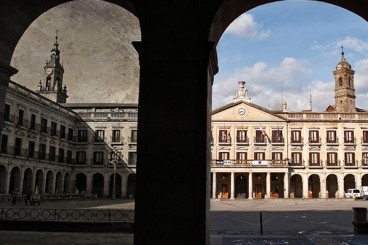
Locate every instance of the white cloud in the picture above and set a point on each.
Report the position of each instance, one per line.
(245, 26)
(353, 44)
(267, 86)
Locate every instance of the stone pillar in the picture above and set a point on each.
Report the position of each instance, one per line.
(124, 184)
(323, 186)
(89, 180)
(250, 186)
(268, 185)
(232, 185)
(106, 189)
(286, 185)
(214, 184)
(341, 191)
(305, 186)
(358, 182)
(21, 180)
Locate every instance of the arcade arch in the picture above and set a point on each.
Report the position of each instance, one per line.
(3, 188)
(332, 186)
(98, 184)
(27, 180)
(80, 183)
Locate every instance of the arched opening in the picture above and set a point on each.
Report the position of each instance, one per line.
(259, 182)
(49, 182)
(98, 185)
(80, 183)
(365, 180)
(117, 185)
(67, 188)
(296, 186)
(59, 183)
(27, 181)
(14, 182)
(39, 182)
(131, 186)
(332, 186)
(241, 186)
(277, 185)
(2, 179)
(349, 182)
(314, 186)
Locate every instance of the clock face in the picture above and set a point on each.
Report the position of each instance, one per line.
(339, 67)
(49, 71)
(241, 111)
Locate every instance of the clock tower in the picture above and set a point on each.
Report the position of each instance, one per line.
(52, 85)
(344, 86)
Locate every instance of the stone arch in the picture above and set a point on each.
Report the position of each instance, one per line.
(296, 186)
(349, 182)
(80, 183)
(27, 180)
(131, 186)
(59, 183)
(117, 185)
(314, 186)
(98, 184)
(67, 180)
(2, 179)
(49, 188)
(14, 181)
(241, 186)
(332, 186)
(365, 180)
(39, 188)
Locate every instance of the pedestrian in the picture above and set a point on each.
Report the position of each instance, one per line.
(28, 196)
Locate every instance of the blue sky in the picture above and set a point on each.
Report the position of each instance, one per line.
(289, 50)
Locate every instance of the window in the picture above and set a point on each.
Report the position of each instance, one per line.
(82, 135)
(277, 156)
(133, 136)
(98, 157)
(296, 158)
(241, 157)
(53, 128)
(365, 159)
(52, 153)
(81, 157)
(349, 136)
(224, 155)
(31, 148)
(42, 152)
(99, 135)
(62, 131)
(313, 136)
(132, 158)
(70, 134)
(7, 113)
(260, 136)
(331, 136)
(69, 156)
(44, 125)
(349, 159)
(18, 147)
(4, 144)
(241, 136)
(116, 136)
(277, 136)
(259, 156)
(61, 155)
(296, 136)
(365, 137)
(20, 117)
(331, 159)
(33, 122)
(314, 159)
(224, 136)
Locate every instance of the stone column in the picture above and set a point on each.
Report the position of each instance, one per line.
(232, 186)
(89, 181)
(358, 182)
(286, 185)
(305, 186)
(214, 184)
(250, 186)
(106, 189)
(323, 186)
(340, 180)
(21, 180)
(268, 185)
(124, 184)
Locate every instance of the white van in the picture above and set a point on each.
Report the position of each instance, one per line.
(365, 192)
(353, 193)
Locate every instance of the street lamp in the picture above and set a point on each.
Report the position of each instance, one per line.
(114, 161)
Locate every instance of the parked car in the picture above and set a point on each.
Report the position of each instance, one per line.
(353, 193)
(365, 192)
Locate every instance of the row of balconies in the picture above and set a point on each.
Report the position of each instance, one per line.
(304, 163)
(281, 140)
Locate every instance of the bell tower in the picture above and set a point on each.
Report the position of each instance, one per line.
(344, 86)
(52, 85)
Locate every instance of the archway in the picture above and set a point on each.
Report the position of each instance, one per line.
(365, 180)
(241, 186)
(277, 185)
(332, 186)
(98, 185)
(80, 183)
(59, 183)
(27, 180)
(314, 186)
(117, 185)
(2, 179)
(67, 183)
(39, 182)
(349, 182)
(49, 182)
(14, 182)
(296, 186)
(131, 186)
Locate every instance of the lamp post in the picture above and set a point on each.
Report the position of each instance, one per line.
(114, 161)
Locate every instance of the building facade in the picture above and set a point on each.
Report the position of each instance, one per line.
(260, 153)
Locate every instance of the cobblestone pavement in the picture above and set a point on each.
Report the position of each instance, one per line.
(285, 221)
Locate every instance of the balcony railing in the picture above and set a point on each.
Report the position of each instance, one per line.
(364, 141)
(351, 164)
(294, 141)
(314, 141)
(349, 141)
(277, 140)
(223, 141)
(332, 141)
(315, 163)
(242, 141)
(260, 140)
(248, 162)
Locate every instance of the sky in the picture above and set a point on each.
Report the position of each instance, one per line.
(287, 51)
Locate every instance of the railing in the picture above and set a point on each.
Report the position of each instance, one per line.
(242, 140)
(314, 141)
(224, 140)
(234, 163)
(333, 141)
(294, 141)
